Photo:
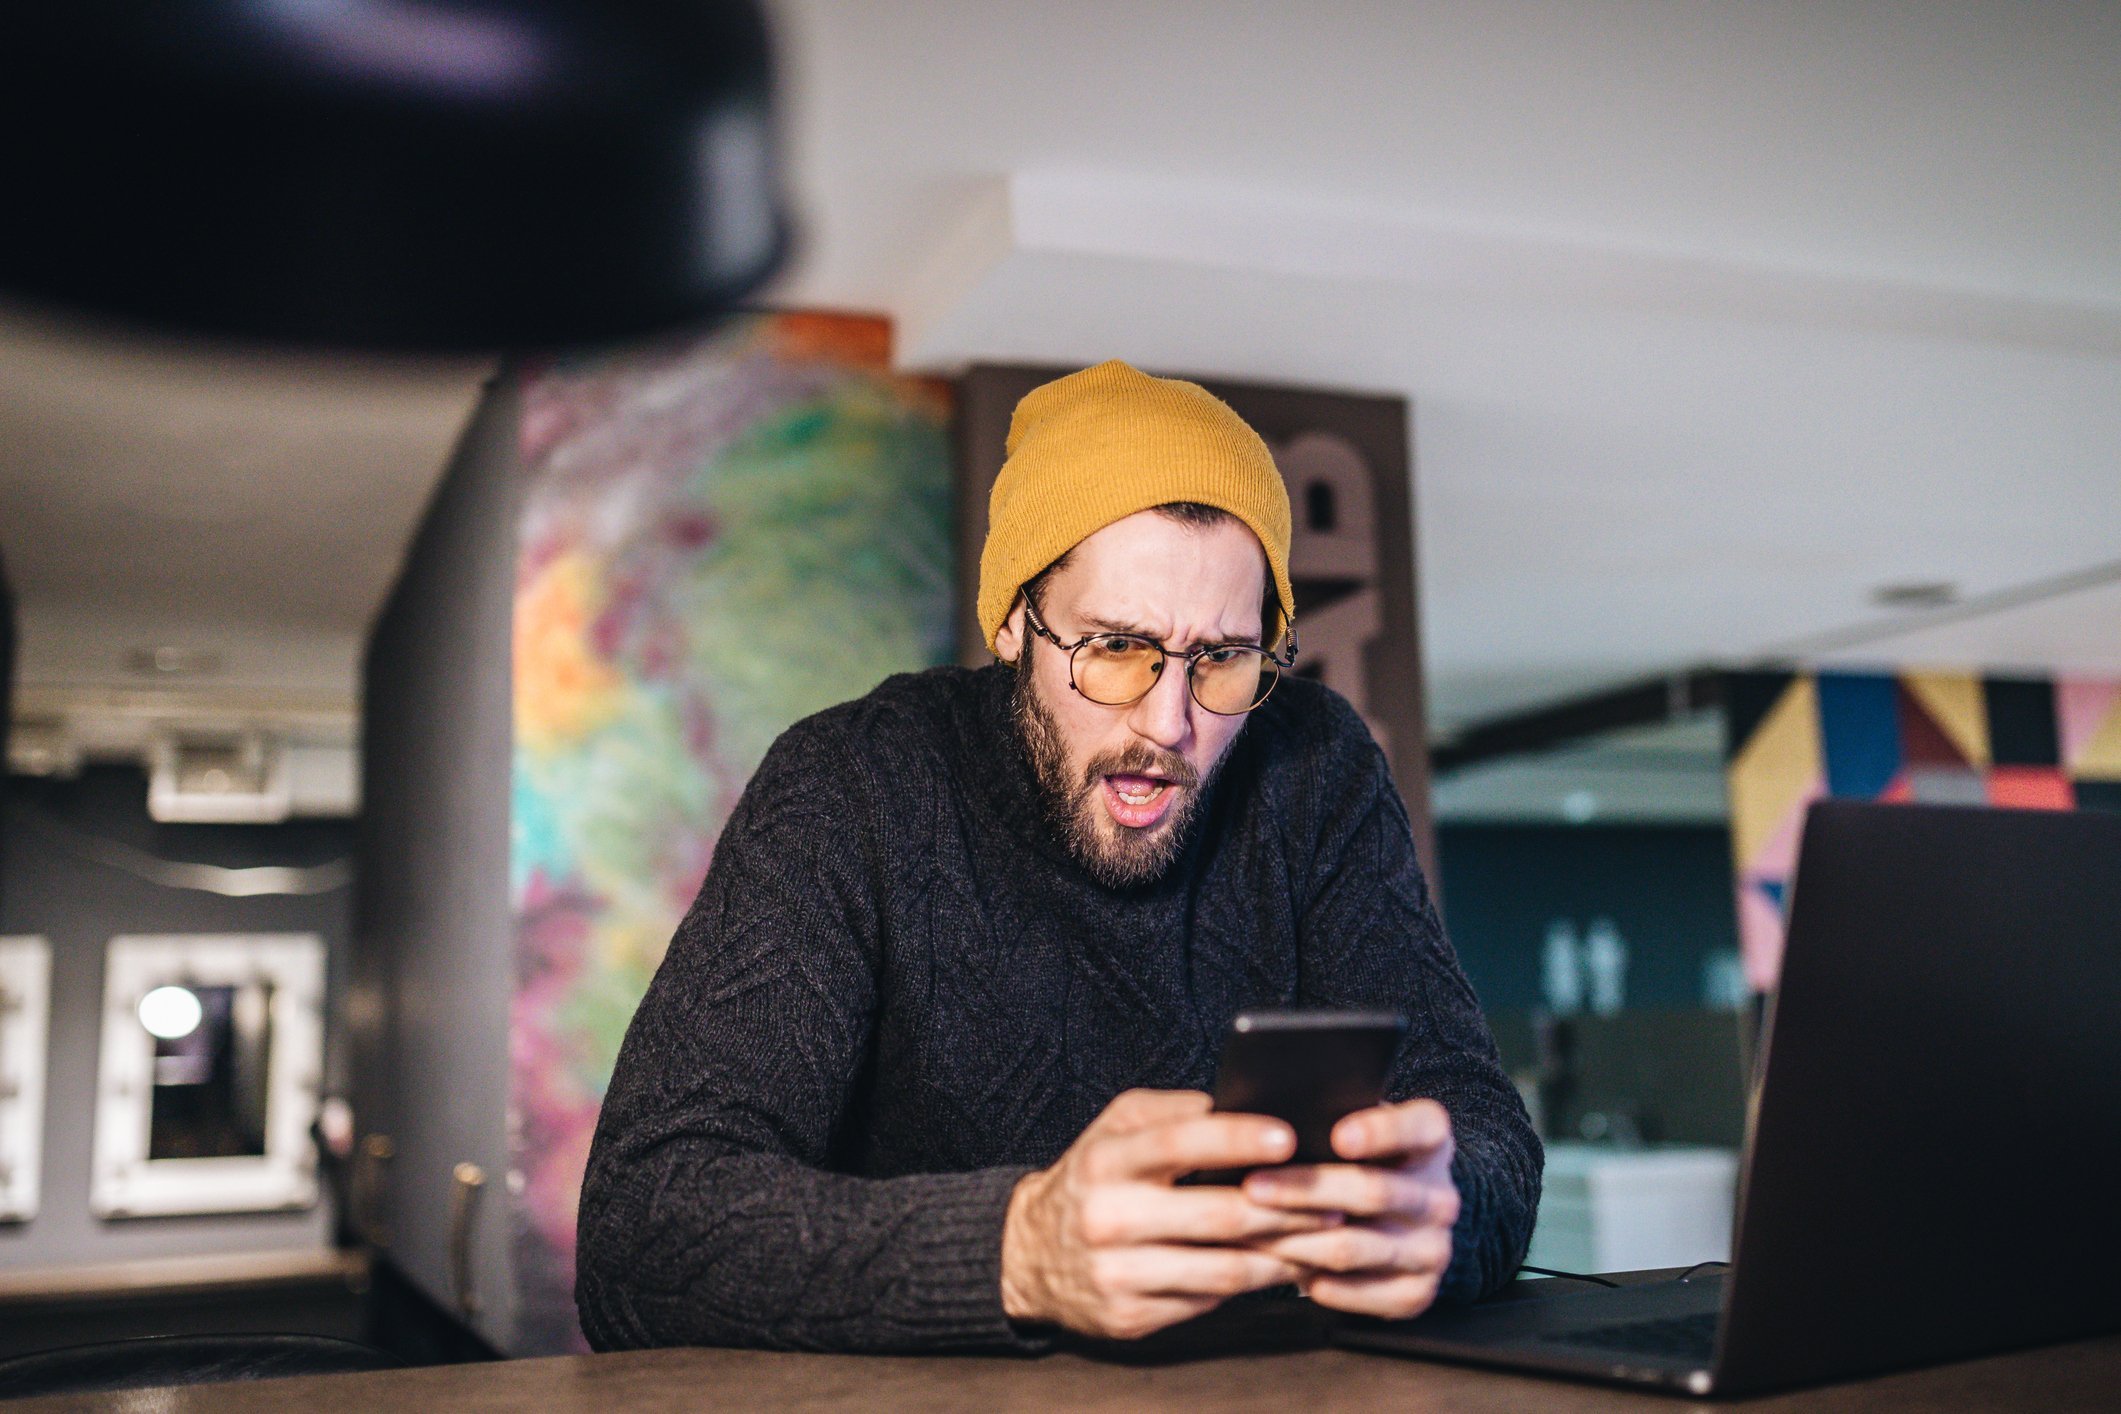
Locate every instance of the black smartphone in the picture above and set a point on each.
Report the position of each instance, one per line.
(1310, 1068)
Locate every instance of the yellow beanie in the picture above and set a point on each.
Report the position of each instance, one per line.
(1099, 445)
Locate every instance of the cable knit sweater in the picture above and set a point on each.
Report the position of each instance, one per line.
(896, 994)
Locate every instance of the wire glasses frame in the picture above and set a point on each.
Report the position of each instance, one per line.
(1120, 669)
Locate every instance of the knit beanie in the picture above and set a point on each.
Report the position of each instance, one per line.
(1099, 445)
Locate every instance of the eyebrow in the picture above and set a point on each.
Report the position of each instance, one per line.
(1098, 625)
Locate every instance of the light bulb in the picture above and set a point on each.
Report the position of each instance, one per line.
(171, 1013)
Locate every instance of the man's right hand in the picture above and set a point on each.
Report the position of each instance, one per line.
(1104, 1244)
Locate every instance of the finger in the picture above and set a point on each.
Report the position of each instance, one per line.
(1212, 1141)
(1135, 1110)
(1117, 1213)
(1351, 1247)
(1395, 1296)
(1137, 1316)
(1406, 1132)
(1360, 1190)
(1367, 1247)
(1172, 1269)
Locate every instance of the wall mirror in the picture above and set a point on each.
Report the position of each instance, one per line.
(25, 1009)
(213, 1051)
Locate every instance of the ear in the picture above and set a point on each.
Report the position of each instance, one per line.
(1009, 638)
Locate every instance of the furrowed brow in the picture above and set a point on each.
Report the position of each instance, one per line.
(1098, 625)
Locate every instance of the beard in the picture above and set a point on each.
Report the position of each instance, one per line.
(1117, 856)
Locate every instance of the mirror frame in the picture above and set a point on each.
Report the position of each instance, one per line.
(126, 1182)
(25, 1021)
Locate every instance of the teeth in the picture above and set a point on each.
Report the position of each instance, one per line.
(1139, 798)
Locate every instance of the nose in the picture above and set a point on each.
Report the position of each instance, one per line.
(1165, 715)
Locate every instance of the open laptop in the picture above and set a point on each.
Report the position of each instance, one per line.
(1933, 1158)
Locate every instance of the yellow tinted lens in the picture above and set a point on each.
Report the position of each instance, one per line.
(1231, 680)
(1115, 671)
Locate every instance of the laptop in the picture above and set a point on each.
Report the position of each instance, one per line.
(1932, 1164)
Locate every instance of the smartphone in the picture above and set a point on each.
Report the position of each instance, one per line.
(1310, 1068)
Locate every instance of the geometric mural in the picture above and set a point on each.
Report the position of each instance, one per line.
(1933, 738)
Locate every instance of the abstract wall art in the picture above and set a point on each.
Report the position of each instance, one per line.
(1934, 738)
(717, 537)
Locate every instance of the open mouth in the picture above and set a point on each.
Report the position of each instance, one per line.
(1137, 801)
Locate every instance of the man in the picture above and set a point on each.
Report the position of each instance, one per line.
(925, 1062)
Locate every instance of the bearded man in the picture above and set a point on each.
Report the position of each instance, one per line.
(926, 1060)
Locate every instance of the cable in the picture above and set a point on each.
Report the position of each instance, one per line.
(1688, 1274)
(1572, 1276)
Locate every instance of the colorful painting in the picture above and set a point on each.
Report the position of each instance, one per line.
(1937, 738)
(718, 537)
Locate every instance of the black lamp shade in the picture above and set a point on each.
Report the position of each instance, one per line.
(404, 174)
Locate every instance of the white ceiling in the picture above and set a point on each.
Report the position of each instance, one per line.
(1714, 318)
(249, 508)
(1949, 143)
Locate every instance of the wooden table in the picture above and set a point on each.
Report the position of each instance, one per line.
(2082, 1376)
(1264, 1356)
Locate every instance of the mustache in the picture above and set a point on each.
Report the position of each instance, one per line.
(1141, 760)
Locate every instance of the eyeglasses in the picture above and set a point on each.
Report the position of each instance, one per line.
(1118, 669)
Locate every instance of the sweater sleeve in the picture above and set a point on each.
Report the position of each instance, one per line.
(709, 1212)
(1369, 936)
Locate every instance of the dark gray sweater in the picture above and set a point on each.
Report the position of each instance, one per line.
(896, 994)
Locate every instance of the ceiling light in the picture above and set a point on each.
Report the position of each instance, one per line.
(202, 777)
(170, 660)
(43, 747)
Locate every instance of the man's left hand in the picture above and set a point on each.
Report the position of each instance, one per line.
(1396, 1194)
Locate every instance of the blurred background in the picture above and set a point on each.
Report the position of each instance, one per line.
(1691, 411)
